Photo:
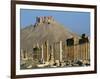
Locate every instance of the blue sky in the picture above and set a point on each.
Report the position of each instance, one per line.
(78, 22)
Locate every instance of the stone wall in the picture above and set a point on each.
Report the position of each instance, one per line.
(44, 19)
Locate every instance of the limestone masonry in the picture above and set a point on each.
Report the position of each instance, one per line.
(48, 44)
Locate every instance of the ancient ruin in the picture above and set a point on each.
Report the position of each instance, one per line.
(48, 44)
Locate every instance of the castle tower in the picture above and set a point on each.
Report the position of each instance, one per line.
(44, 19)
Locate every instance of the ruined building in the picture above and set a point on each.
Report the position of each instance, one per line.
(48, 41)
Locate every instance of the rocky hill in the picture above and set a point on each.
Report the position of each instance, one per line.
(45, 28)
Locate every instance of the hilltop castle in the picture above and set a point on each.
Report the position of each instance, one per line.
(44, 19)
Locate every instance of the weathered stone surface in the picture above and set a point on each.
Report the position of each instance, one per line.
(53, 32)
(47, 43)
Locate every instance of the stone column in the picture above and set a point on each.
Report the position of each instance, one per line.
(75, 49)
(88, 51)
(52, 56)
(60, 51)
(42, 51)
(47, 46)
(52, 52)
(22, 54)
(81, 51)
(37, 45)
(42, 54)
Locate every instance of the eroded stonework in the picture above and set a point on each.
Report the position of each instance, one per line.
(48, 44)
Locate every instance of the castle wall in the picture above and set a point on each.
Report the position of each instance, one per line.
(44, 19)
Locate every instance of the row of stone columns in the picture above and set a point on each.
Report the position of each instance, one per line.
(75, 52)
(50, 54)
(84, 51)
